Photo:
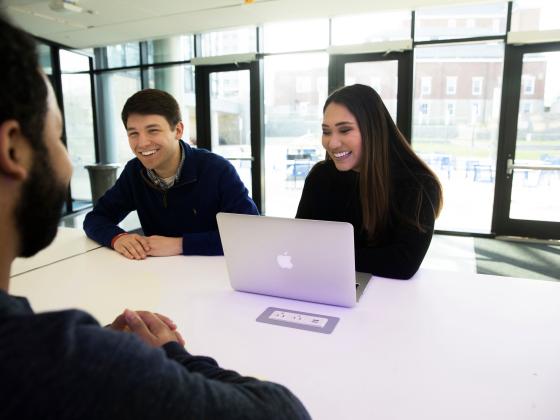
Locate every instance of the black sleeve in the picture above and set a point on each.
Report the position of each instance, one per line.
(63, 365)
(118, 376)
(230, 395)
(402, 253)
(311, 195)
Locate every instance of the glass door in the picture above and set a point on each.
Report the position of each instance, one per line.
(528, 200)
(230, 116)
(80, 132)
(228, 109)
(389, 74)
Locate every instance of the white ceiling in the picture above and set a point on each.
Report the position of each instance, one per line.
(107, 22)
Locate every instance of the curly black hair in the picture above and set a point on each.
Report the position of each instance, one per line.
(23, 94)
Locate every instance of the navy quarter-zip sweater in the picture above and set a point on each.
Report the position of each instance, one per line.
(208, 184)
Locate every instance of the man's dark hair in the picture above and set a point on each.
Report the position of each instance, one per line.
(150, 102)
(23, 93)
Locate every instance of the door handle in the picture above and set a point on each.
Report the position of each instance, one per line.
(511, 166)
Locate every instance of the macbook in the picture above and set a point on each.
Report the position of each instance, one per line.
(309, 260)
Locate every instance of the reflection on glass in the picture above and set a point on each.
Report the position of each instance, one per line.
(177, 48)
(230, 119)
(380, 75)
(117, 87)
(78, 117)
(294, 94)
(536, 192)
(178, 81)
(535, 15)
(455, 130)
(73, 62)
(465, 21)
(44, 52)
(296, 36)
(234, 41)
(122, 55)
(376, 27)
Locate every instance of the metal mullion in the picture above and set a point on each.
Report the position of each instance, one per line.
(94, 110)
(144, 79)
(202, 99)
(405, 94)
(511, 92)
(257, 133)
(460, 40)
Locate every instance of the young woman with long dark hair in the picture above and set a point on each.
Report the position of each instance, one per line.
(372, 179)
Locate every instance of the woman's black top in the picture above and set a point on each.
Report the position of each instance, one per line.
(329, 194)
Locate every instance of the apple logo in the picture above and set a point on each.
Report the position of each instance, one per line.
(284, 261)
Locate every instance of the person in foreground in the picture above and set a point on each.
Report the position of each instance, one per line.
(177, 190)
(372, 179)
(63, 365)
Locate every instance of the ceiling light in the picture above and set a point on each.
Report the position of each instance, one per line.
(65, 6)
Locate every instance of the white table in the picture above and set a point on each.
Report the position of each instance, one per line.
(440, 346)
(68, 243)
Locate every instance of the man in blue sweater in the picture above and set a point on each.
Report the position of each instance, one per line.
(63, 365)
(177, 190)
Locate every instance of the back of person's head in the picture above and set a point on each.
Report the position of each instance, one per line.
(28, 109)
(152, 102)
(23, 91)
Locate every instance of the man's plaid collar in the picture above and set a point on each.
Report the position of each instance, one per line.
(157, 180)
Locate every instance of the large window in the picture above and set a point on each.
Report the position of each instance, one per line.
(178, 80)
(465, 21)
(230, 120)
(121, 55)
(178, 48)
(367, 28)
(380, 75)
(535, 15)
(233, 41)
(76, 89)
(451, 85)
(117, 87)
(296, 36)
(78, 117)
(455, 102)
(459, 138)
(294, 94)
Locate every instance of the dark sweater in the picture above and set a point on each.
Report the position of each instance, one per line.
(208, 184)
(63, 365)
(329, 194)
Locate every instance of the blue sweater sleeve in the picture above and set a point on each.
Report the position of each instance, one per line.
(100, 224)
(233, 198)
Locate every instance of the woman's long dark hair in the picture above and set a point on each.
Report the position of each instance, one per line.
(382, 144)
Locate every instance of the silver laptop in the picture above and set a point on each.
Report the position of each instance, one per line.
(309, 260)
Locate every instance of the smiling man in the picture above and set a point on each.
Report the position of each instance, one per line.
(176, 190)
